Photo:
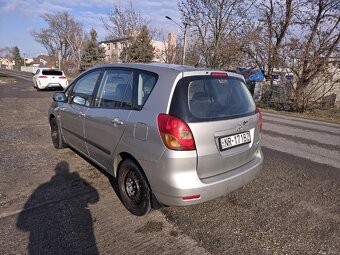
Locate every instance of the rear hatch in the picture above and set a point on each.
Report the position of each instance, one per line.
(53, 76)
(221, 115)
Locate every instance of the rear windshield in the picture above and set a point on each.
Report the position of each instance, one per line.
(52, 72)
(206, 98)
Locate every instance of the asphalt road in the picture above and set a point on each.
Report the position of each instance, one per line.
(55, 202)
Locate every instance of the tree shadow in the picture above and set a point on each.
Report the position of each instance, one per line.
(57, 216)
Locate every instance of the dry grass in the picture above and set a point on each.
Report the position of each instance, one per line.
(330, 115)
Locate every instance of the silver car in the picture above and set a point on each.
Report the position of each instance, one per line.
(170, 135)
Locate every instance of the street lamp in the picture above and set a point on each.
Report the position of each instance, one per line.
(185, 36)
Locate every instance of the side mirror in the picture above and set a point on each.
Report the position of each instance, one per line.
(59, 97)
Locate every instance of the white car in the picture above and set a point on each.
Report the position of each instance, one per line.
(46, 78)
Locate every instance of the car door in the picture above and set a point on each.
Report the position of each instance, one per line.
(35, 76)
(106, 121)
(72, 114)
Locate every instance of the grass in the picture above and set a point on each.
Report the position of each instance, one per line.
(6, 79)
(329, 115)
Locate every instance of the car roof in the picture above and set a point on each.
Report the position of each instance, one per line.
(154, 66)
(161, 67)
(52, 69)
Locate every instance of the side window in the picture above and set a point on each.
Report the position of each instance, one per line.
(146, 82)
(83, 89)
(115, 90)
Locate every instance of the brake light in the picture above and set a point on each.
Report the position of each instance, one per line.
(42, 76)
(62, 77)
(175, 133)
(215, 74)
(260, 117)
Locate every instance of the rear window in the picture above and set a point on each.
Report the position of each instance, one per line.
(52, 72)
(206, 98)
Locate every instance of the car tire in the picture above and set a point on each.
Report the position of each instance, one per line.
(56, 136)
(133, 187)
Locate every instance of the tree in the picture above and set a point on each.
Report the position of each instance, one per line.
(141, 49)
(76, 38)
(17, 58)
(265, 37)
(93, 53)
(310, 52)
(169, 53)
(215, 24)
(63, 35)
(6, 52)
(124, 22)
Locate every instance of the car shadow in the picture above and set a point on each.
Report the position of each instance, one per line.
(57, 215)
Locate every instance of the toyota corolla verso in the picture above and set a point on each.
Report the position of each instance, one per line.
(170, 135)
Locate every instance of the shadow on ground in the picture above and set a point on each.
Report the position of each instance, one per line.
(57, 216)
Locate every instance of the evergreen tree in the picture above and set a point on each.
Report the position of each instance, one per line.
(141, 49)
(17, 58)
(93, 53)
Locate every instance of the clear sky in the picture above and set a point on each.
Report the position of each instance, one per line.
(19, 17)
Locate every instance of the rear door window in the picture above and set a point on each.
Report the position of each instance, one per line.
(206, 98)
(52, 72)
(115, 90)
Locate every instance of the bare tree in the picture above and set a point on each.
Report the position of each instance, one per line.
(214, 24)
(314, 52)
(265, 36)
(62, 30)
(124, 22)
(76, 39)
(6, 52)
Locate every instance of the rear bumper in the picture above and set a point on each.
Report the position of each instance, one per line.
(44, 85)
(209, 188)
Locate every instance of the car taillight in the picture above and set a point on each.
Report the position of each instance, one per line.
(260, 117)
(42, 76)
(62, 77)
(175, 133)
(215, 74)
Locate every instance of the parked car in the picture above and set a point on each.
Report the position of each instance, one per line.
(46, 78)
(170, 135)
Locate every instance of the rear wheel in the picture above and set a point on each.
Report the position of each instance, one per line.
(57, 139)
(134, 188)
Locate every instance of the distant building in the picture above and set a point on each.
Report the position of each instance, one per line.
(113, 48)
(45, 61)
(7, 63)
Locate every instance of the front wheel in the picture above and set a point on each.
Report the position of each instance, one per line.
(57, 139)
(134, 188)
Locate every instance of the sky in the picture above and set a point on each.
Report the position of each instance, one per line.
(19, 17)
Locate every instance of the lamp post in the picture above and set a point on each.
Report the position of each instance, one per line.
(185, 36)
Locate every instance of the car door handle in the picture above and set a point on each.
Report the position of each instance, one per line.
(81, 114)
(117, 121)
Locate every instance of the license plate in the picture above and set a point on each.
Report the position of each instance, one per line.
(234, 140)
(53, 85)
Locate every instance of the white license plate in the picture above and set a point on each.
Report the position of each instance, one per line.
(234, 140)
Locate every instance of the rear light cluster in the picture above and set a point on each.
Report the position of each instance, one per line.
(175, 133)
(42, 76)
(62, 77)
(260, 117)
